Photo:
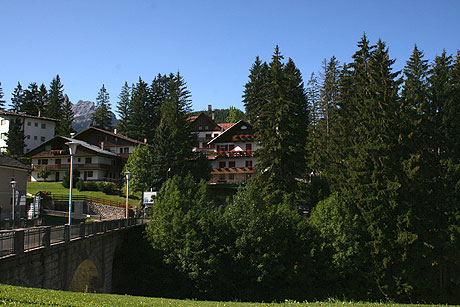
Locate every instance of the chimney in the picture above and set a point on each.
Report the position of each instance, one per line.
(72, 134)
(145, 141)
(209, 107)
(115, 131)
(213, 115)
(102, 145)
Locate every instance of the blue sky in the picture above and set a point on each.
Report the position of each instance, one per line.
(212, 43)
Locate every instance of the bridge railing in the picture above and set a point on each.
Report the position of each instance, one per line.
(23, 240)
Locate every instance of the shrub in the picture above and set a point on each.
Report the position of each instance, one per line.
(91, 186)
(80, 185)
(108, 188)
(66, 178)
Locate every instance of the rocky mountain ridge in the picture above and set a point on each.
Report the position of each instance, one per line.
(83, 113)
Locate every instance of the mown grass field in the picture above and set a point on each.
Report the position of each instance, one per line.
(57, 188)
(19, 296)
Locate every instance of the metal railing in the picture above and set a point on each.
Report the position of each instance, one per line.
(97, 200)
(26, 239)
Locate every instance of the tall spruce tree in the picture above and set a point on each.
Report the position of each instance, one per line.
(255, 89)
(137, 124)
(102, 117)
(65, 127)
(17, 98)
(2, 101)
(31, 102)
(281, 125)
(42, 99)
(123, 108)
(15, 138)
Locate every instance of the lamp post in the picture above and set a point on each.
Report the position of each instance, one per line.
(128, 176)
(13, 200)
(72, 150)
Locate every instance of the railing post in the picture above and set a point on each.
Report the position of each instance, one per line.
(47, 236)
(82, 230)
(66, 233)
(19, 242)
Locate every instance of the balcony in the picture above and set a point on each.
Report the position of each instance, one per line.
(58, 167)
(234, 154)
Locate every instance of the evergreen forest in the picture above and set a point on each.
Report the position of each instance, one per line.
(356, 192)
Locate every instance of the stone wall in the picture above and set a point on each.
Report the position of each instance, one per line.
(106, 212)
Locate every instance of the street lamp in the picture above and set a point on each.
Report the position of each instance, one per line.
(72, 150)
(128, 176)
(13, 186)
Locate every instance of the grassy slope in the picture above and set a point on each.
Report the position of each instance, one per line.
(57, 188)
(18, 296)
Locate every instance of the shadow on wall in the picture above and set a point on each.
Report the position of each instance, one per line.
(87, 279)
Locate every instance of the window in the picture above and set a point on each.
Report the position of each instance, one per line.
(222, 177)
(208, 135)
(58, 161)
(79, 159)
(222, 164)
(231, 176)
(42, 139)
(28, 124)
(68, 160)
(43, 126)
(90, 173)
(36, 124)
(206, 127)
(28, 137)
(248, 163)
(43, 161)
(35, 137)
(231, 164)
(88, 160)
(248, 146)
(200, 128)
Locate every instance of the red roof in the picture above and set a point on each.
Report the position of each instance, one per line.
(192, 118)
(225, 126)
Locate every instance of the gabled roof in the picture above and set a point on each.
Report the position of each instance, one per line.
(21, 114)
(109, 133)
(12, 163)
(204, 120)
(225, 126)
(227, 134)
(65, 140)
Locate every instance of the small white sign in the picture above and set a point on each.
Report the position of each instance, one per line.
(149, 198)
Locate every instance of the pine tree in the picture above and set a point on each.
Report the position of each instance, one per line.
(30, 104)
(17, 98)
(42, 99)
(53, 108)
(15, 138)
(281, 126)
(2, 101)
(255, 89)
(102, 117)
(138, 118)
(234, 115)
(65, 127)
(123, 108)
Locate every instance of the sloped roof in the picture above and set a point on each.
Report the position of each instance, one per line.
(13, 163)
(67, 139)
(109, 133)
(225, 126)
(228, 132)
(14, 114)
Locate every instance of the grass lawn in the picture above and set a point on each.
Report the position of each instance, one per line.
(57, 188)
(18, 296)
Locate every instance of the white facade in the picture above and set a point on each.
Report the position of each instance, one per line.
(36, 130)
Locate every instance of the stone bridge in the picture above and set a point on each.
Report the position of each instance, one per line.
(75, 257)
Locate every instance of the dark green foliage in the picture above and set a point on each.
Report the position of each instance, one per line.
(255, 90)
(2, 101)
(65, 126)
(139, 164)
(53, 108)
(17, 98)
(221, 115)
(102, 117)
(31, 103)
(281, 120)
(138, 118)
(109, 188)
(80, 185)
(123, 108)
(234, 115)
(15, 138)
(66, 178)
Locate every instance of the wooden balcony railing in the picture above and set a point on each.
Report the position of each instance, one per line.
(235, 154)
(77, 166)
